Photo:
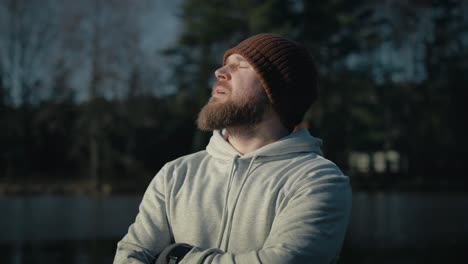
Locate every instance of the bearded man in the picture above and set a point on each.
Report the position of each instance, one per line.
(261, 192)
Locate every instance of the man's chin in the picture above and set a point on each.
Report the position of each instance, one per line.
(205, 117)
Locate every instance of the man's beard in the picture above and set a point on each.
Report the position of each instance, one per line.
(219, 115)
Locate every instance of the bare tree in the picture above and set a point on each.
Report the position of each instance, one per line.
(29, 37)
(106, 34)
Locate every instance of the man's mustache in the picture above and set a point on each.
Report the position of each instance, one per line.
(222, 84)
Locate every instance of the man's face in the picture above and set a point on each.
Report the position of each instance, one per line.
(238, 98)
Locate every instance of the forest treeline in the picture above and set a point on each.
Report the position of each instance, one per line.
(392, 78)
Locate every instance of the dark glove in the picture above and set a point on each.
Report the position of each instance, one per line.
(173, 253)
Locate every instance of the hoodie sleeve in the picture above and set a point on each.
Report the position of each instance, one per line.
(309, 229)
(150, 233)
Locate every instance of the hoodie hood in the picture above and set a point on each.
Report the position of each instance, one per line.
(300, 141)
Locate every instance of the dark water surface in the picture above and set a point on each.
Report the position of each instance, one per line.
(390, 227)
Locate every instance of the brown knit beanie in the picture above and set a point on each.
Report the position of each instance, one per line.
(287, 73)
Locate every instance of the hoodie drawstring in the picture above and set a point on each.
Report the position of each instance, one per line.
(237, 198)
(226, 197)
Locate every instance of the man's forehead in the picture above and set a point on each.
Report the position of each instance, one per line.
(235, 57)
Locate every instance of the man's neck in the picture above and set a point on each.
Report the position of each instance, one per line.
(247, 139)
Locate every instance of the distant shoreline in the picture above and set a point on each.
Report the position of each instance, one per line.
(129, 186)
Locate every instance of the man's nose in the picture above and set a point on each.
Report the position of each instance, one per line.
(223, 74)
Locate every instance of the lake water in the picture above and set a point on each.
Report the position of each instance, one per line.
(390, 227)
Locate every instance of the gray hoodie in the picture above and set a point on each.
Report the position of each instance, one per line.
(283, 203)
